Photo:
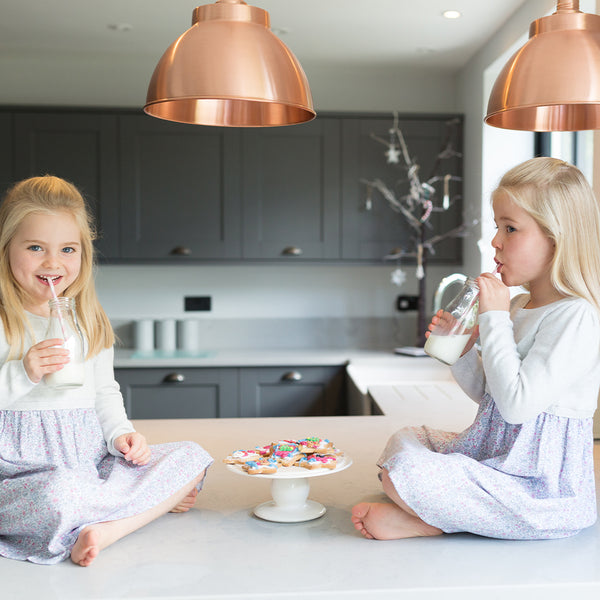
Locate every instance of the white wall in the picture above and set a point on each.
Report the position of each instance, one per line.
(505, 148)
(295, 291)
(238, 292)
(80, 80)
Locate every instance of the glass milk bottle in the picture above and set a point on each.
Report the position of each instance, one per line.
(63, 324)
(450, 336)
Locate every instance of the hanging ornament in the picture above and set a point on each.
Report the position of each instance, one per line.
(368, 205)
(393, 154)
(398, 277)
(446, 200)
(420, 271)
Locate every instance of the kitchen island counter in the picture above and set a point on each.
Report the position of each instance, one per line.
(220, 550)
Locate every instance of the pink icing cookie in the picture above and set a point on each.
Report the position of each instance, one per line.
(242, 456)
(286, 452)
(316, 444)
(318, 461)
(257, 467)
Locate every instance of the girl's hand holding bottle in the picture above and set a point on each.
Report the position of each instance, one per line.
(445, 321)
(493, 294)
(45, 357)
(134, 447)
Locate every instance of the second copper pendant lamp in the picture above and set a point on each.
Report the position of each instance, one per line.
(553, 82)
(229, 69)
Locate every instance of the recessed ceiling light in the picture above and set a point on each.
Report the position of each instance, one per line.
(452, 14)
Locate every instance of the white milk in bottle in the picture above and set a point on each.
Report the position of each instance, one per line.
(63, 324)
(450, 336)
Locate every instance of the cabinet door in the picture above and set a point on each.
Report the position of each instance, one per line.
(179, 393)
(291, 391)
(180, 190)
(291, 191)
(6, 153)
(80, 148)
(373, 233)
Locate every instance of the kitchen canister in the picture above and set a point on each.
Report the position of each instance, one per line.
(143, 333)
(187, 335)
(166, 338)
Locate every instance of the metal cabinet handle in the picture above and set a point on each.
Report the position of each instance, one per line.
(180, 251)
(292, 251)
(174, 378)
(291, 376)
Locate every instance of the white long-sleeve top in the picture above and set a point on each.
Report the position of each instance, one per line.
(100, 391)
(536, 360)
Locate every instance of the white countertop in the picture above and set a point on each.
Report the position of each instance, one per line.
(219, 550)
(250, 357)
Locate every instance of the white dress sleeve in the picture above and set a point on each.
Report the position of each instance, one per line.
(468, 373)
(14, 383)
(109, 400)
(550, 364)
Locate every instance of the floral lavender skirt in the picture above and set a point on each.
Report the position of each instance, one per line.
(56, 477)
(528, 481)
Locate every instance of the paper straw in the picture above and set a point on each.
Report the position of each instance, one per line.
(60, 318)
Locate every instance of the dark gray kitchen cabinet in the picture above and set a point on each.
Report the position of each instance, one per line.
(180, 191)
(81, 148)
(291, 191)
(197, 392)
(370, 233)
(292, 391)
(186, 393)
(168, 192)
(6, 153)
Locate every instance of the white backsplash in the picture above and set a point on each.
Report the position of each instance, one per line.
(269, 305)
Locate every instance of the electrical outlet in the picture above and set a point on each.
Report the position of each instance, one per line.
(404, 303)
(197, 303)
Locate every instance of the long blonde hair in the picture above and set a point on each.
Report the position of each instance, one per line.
(50, 195)
(559, 198)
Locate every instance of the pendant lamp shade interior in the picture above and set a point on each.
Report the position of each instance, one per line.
(229, 69)
(552, 83)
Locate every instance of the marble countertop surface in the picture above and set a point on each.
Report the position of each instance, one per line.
(249, 357)
(220, 550)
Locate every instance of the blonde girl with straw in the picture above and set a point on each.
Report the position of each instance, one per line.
(524, 468)
(74, 474)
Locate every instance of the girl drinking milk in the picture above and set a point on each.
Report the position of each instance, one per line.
(524, 468)
(74, 474)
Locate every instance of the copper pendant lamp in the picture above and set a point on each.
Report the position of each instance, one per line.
(553, 82)
(229, 69)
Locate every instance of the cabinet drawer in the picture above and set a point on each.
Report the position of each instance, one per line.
(179, 393)
(292, 391)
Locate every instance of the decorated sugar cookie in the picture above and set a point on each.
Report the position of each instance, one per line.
(257, 467)
(318, 461)
(286, 452)
(316, 444)
(242, 456)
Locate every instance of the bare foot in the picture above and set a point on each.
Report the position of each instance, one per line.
(388, 522)
(86, 547)
(187, 503)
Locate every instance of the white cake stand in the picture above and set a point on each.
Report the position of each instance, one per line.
(290, 488)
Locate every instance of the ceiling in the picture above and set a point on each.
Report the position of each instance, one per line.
(406, 32)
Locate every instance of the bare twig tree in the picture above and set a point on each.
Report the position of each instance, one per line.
(417, 205)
